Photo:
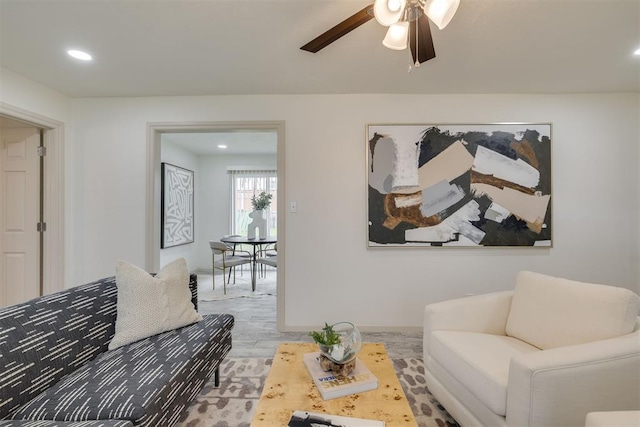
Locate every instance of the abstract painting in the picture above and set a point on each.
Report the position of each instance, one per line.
(177, 206)
(459, 185)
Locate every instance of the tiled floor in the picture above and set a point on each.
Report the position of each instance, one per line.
(255, 333)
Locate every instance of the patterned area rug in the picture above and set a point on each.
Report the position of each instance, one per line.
(242, 380)
(266, 286)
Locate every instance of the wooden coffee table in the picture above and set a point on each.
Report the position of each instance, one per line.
(289, 387)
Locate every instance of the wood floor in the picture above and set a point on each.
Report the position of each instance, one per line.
(255, 333)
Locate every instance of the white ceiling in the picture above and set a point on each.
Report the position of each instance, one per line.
(237, 142)
(212, 47)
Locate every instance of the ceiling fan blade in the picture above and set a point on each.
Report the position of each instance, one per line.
(425, 49)
(339, 30)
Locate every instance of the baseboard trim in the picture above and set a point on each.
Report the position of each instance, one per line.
(361, 328)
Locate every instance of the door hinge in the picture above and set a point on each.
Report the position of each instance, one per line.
(41, 227)
(42, 151)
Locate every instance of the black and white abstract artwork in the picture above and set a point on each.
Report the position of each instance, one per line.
(177, 206)
(459, 185)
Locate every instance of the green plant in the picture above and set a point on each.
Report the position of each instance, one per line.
(262, 201)
(327, 337)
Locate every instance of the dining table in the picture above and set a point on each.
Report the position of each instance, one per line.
(256, 243)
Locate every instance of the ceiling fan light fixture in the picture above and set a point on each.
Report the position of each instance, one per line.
(388, 12)
(441, 11)
(396, 37)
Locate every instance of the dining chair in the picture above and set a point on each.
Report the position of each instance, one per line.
(267, 251)
(270, 258)
(271, 261)
(226, 260)
(238, 250)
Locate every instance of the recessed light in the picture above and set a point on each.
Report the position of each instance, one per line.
(222, 146)
(78, 54)
(637, 52)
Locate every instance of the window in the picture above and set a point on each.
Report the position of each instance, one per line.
(244, 185)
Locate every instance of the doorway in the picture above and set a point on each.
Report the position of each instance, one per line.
(21, 192)
(155, 132)
(50, 270)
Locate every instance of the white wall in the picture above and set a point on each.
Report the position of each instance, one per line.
(214, 211)
(595, 146)
(32, 96)
(171, 153)
(330, 274)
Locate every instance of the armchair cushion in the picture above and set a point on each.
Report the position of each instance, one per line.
(549, 312)
(480, 362)
(479, 313)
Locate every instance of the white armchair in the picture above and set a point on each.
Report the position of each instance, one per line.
(545, 354)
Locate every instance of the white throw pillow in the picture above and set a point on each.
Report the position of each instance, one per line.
(181, 311)
(150, 305)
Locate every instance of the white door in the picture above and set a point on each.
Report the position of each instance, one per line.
(19, 215)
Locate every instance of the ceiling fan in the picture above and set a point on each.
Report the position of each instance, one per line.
(408, 22)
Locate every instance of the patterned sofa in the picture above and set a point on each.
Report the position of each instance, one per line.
(55, 369)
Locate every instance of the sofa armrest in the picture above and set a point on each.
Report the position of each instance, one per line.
(193, 287)
(485, 313)
(613, 418)
(597, 376)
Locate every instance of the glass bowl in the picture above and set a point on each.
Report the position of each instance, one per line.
(349, 346)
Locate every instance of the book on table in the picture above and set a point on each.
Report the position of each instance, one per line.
(312, 419)
(361, 379)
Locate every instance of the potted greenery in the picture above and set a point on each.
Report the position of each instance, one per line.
(261, 202)
(339, 344)
(258, 217)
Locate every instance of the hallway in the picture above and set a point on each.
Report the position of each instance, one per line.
(255, 333)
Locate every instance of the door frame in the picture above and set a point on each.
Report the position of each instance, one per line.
(53, 265)
(153, 193)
